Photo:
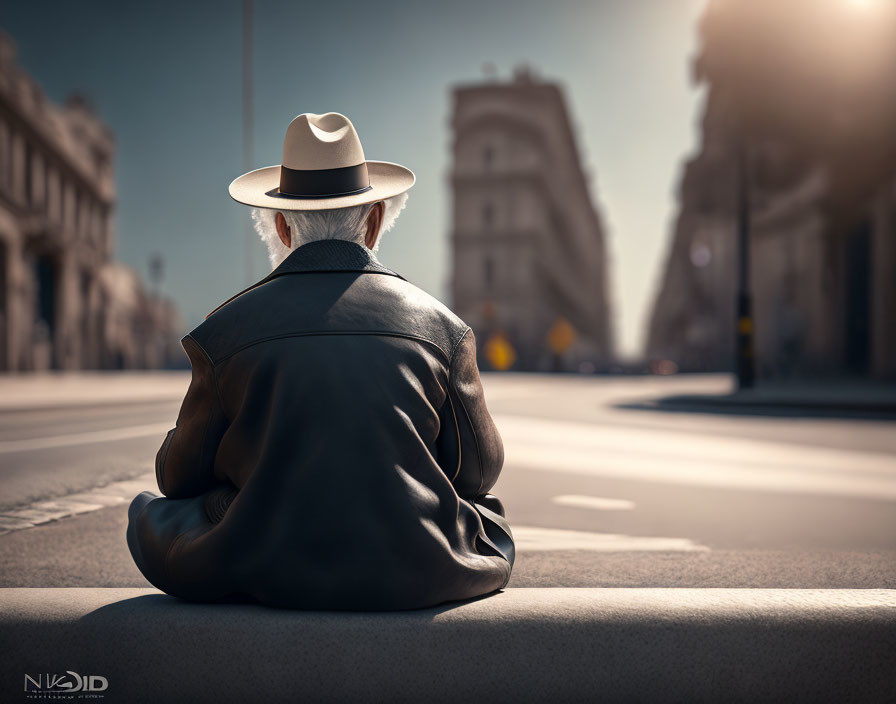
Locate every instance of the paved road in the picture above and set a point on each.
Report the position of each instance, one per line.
(598, 494)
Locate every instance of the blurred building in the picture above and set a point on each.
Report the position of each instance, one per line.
(64, 302)
(529, 257)
(803, 94)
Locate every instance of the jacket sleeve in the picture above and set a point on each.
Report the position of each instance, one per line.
(185, 462)
(479, 443)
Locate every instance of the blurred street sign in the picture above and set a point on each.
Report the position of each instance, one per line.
(499, 352)
(561, 335)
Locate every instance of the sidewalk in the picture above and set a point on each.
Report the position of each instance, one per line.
(67, 389)
(519, 645)
(859, 399)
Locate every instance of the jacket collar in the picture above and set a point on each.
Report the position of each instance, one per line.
(323, 256)
(329, 255)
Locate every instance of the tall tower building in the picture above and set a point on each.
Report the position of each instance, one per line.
(529, 258)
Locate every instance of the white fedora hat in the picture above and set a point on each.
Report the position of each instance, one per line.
(323, 167)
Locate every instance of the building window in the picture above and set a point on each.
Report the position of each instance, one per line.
(45, 274)
(106, 228)
(79, 206)
(65, 203)
(488, 214)
(46, 185)
(5, 155)
(93, 223)
(489, 273)
(29, 174)
(38, 189)
(9, 166)
(53, 194)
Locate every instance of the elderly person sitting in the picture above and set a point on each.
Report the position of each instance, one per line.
(334, 450)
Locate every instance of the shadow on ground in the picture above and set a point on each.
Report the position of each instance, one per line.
(737, 405)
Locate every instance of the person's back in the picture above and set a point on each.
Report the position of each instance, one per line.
(333, 451)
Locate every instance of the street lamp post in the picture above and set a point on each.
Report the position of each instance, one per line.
(156, 271)
(247, 126)
(157, 318)
(745, 362)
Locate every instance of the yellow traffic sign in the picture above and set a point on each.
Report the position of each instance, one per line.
(499, 352)
(561, 335)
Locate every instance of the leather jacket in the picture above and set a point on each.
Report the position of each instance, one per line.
(333, 451)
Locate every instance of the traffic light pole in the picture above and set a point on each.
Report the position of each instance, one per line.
(745, 362)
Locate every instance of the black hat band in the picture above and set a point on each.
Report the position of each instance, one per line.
(324, 183)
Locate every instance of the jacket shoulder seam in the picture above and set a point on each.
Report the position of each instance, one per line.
(451, 380)
(457, 344)
(208, 421)
(214, 369)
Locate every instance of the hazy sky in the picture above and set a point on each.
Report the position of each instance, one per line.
(167, 77)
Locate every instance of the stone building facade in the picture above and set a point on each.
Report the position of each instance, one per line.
(529, 256)
(822, 214)
(64, 302)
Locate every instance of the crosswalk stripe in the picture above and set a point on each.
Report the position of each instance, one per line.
(537, 539)
(86, 438)
(598, 503)
(670, 458)
(73, 504)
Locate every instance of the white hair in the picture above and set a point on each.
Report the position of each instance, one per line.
(310, 225)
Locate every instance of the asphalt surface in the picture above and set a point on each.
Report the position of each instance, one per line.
(599, 492)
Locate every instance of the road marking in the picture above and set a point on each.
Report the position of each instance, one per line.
(526, 538)
(598, 503)
(87, 438)
(662, 443)
(535, 539)
(82, 502)
(10, 523)
(495, 394)
(45, 511)
(672, 458)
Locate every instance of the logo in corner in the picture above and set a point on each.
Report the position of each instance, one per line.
(56, 686)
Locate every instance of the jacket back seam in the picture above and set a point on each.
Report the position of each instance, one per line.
(272, 277)
(325, 333)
